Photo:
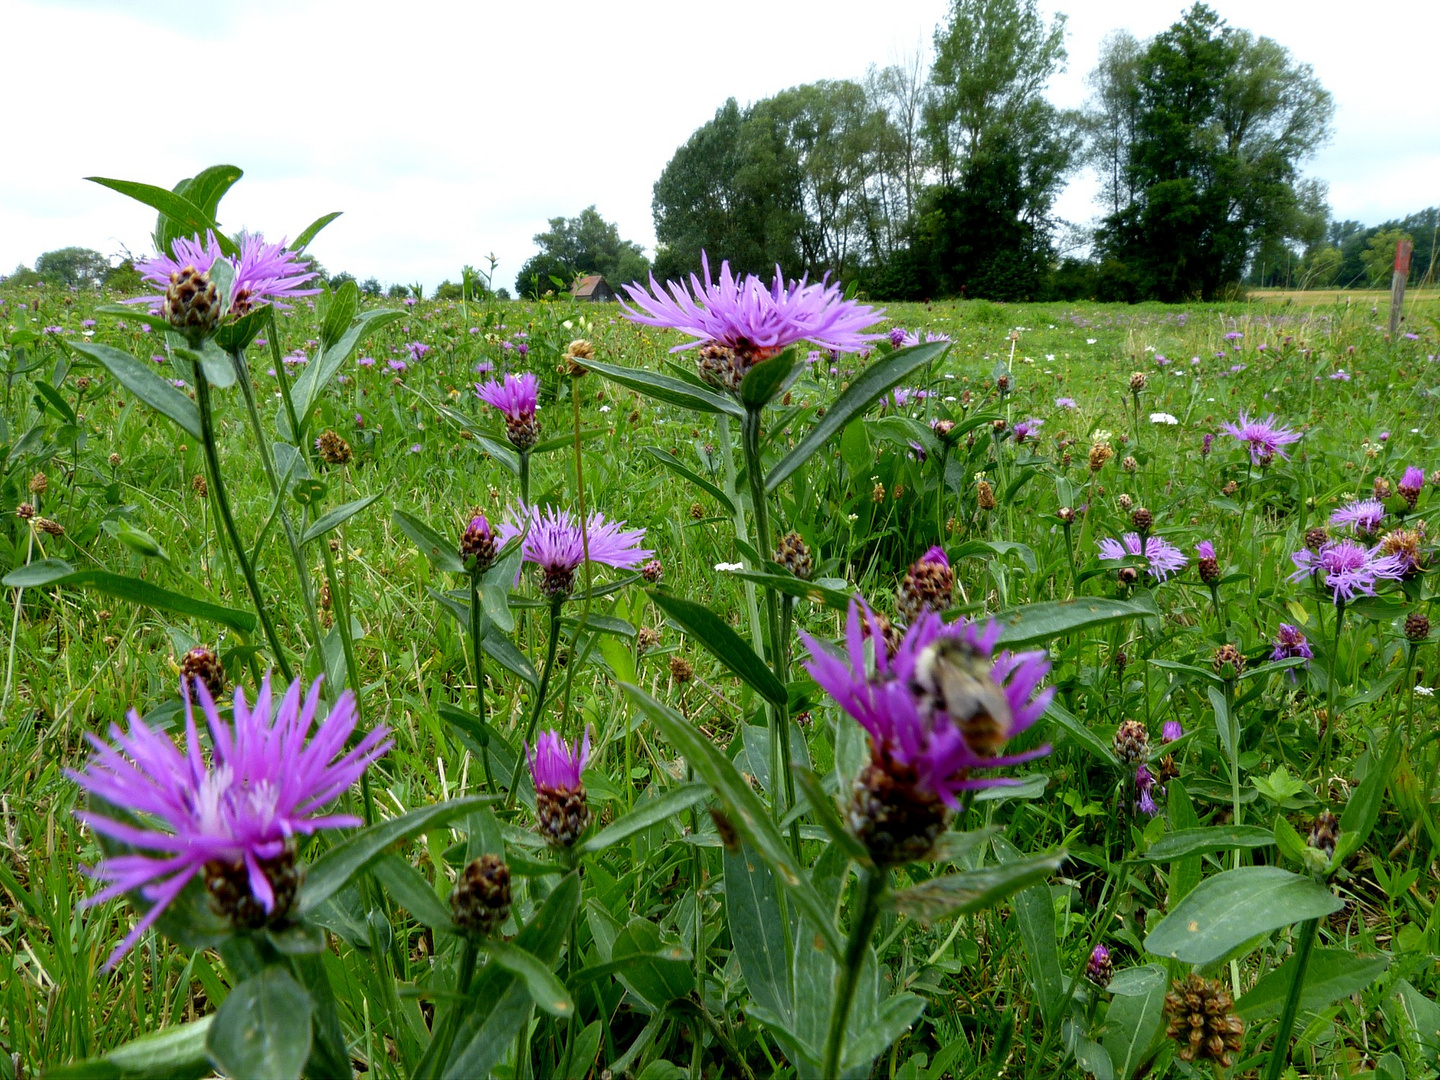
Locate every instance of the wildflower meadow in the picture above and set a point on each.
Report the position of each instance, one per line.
(741, 679)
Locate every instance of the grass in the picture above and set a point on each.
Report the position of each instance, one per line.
(866, 506)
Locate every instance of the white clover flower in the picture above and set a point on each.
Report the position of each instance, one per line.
(729, 567)
(604, 408)
(1162, 418)
(1100, 435)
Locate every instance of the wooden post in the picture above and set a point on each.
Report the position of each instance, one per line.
(1397, 283)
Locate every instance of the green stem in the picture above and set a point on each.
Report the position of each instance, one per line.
(545, 673)
(222, 502)
(1330, 717)
(475, 655)
(524, 456)
(872, 886)
(1280, 1052)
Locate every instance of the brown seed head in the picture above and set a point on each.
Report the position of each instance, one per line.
(985, 495)
(199, 486)
(794, 555)
(480, 901)
(576, 353)
(1100, 453)
(53, 528)
(202, 663)
(1202, 1020)
(1228, 661)
(333, 449)
(680, 670)
(1132, 742)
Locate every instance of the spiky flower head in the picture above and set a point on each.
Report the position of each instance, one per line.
(794, 554)
(1316, 537)
(203, 663)
(561, 807)
(652, 572)
(1171, 730)
(232, 815)
(1411, 484)
(1261, 437)
(928, 585)
(333, 449)
(1142, 519)
(480, 901)
(1138, 379)
(1408, 546)
(738, 322)
(478, 545)
(1417, 626)
(1348, 568)
(1361, 515)
(1202, 1020)
(1228, 661)
(1290, 642)
(516, 399)
(1163, 557)
(1100, 969)
(1207, 563)
(557, 546)
(937, 710)
(263, 274)
(1132, 741)
(1025, 428)
(1145, 785)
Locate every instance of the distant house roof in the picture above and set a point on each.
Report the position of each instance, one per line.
(588, 285)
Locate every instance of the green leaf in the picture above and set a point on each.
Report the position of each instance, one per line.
(338, 516)
(312, 230)
(752, 908)
(745, 810)
(973, 890)
(1035, 916)
(132, 589)
(1133, 1022)
(894, 1017)
(659, 971)
(499, 1004)
(175, 1053)
(411, 891)
(142, 381)
(1332, 975)
(262, 1028)
(205, 189)
(1363, 809)
(192, 220)
(322, 369)
(823, 807)
(1071, 725)
(793, 586)
(443, 554)
(1036, 623)
(328, 874)
(862, 392)
(647, 813)
(664, 388)
(1223, 912)
(764, 380)
(1186, 842)
(724, 644)
(671, 462)
(339, 314)
(544, 987)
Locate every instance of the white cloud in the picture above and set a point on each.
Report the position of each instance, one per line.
(449, 130)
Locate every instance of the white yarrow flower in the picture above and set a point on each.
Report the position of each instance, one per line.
(729, 567)
(1162, 418)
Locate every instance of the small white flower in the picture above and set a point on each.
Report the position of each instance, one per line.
(1090, 341)
(729, 567)
(852, 518)
(1050, 357)
(604, 408)
(1101, 435)
(952, 398)
(1425, 691)
(1162, 418)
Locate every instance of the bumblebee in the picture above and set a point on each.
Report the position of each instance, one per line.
(953, 678)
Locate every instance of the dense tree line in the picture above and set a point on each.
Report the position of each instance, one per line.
(938, 177)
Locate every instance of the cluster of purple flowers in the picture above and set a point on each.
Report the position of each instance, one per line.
(264, 273)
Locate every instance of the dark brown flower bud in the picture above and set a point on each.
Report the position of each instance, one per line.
(114, 461)
(39, 483)
(1202, 1021)
(1003, 385)
(1129, 464)
(1316, 537)
(1124, 502)
(83, 383)
(1209, 567)
(697, 511)
(1382, 488)
(1066, 515)
(929, 585)
(1417, 626)
(896, 819)
(333, 449)
(985, 495)
(795, 556)
(563, 814)
(1229, 489)
(192, 303)
(680, 670)
(478, 545)
(199, 486)
(480, 901)
(1228, 661)
(1142, 519)
(652, 571)
(1324, 833)
(231, 897)
(1138, 379)
(1132, 742)
(202, 663)
(647, 638)
(25, 511)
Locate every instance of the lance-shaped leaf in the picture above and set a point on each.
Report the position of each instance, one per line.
(135, 590)
(646, 814)
(973, 890)
(744, 808)
(544, 987)
(668, 389)
(140, 379)
(1203, 841)
(1036, 623)
(262, 1028)
(856, 398)
(723, 643)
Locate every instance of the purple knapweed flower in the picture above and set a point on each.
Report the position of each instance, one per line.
(1205, 549)
(553, 542)
(417, 350)
(1290, 642)
(912, 339)
(1025, 428)
(516, 398)
(262, 785)
(87, 323)
(897, 336)
(264, 273)
(1261, 436)
(912, 722)
(366, 361)
(1205, 443)
(1171, 730)
(1349, 568)
(1144, 785)
(745, 316)
(1411, 482)
(397, 365)
(1362, 515)
(1164, 557)
(1340, 376)
(554, 765)
(1065, 403)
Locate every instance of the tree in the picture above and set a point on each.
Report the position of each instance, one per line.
(73, 267)
(584, 244)
(733, 190)
(1210, 172)
(372, 288)
(1111, 117)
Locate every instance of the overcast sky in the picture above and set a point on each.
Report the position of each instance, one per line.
(446, 131)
